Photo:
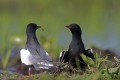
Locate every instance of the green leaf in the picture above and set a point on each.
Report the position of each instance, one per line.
(113, 70)
(87, 59)
(116, 59)
(6, 59)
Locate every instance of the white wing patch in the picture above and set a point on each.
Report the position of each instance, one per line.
(26, 57)
(45, 65)
(47, 54)
(91, 50)
(48, 57)
(60, 54)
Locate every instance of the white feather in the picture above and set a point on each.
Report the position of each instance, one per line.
(91, 50)
(61, 53)
(26, 57)
(46, 64)
(43, 67)
(47, 54)
(48, 57)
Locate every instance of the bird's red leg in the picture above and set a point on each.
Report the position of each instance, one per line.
(29, 74)
(22, 68)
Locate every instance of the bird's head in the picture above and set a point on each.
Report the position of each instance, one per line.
(31, 28)
(74, 28)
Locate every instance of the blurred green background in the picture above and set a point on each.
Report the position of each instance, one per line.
(99, 20)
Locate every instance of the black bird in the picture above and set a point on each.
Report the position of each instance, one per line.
(76, 47)
(34, 54)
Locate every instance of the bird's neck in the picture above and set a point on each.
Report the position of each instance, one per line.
(31, 38)
(76, 36)
(76, 41)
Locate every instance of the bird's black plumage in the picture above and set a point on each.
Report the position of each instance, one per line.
(64, 55)
(76, 47)
(89, 53)
(34, 46)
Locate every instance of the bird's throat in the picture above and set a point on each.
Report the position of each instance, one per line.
(31, 39)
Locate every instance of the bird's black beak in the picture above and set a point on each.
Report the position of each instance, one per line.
(38, 26)
(67, 26)
(41, 28)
